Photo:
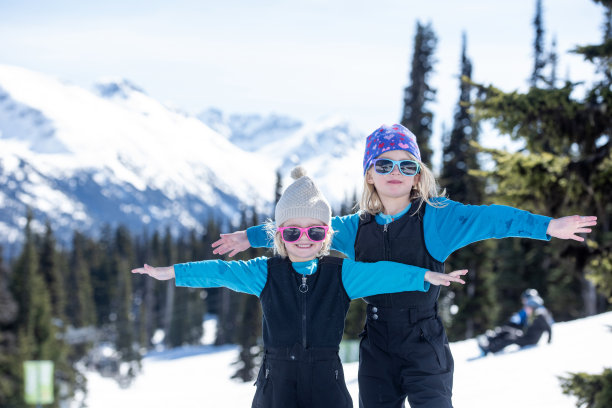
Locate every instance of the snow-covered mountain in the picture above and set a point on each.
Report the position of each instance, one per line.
(84, 158)
(330, 149)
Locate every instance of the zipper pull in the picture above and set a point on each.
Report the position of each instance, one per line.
(303, 287)
(385, 227)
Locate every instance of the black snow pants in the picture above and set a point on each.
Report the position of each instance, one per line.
(295, 377)
(404, 353)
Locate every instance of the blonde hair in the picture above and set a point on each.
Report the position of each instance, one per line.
(426, 189)
(279, 244)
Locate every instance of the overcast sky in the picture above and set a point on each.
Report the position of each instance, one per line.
(303, 58)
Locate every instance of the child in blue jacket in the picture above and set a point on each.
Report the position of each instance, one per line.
(305, 296)
(404, 352)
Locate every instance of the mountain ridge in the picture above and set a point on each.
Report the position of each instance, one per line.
(114, 155)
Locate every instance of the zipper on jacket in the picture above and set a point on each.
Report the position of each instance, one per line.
(304, 342)
(386, 241)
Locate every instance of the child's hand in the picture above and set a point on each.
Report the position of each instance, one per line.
(437, 278)
(160, 273)
(568, 227)
(234, 242)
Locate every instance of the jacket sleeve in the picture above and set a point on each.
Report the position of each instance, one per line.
(258, 237)
(366, 279)
(248, 277)
(453, 225)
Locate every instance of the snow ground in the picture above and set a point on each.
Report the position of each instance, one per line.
(200, 376)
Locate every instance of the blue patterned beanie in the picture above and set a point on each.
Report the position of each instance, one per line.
(385, 138)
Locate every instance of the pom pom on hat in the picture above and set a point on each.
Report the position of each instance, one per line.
(302, 199)
(298, 172)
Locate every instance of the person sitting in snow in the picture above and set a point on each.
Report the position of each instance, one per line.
(524, 328)
(305, 296)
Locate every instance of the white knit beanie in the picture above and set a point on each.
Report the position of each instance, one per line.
(302, 199)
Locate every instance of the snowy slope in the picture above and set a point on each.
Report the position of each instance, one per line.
(199, 376)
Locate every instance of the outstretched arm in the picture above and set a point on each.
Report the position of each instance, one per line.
(437, 278)
(568, 227)
(362, 279)
(159, 273)
(233, 243)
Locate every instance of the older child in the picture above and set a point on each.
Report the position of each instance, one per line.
(404, 352)
(304, 296)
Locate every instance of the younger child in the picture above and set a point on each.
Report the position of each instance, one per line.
(304, 296)
(404, 352)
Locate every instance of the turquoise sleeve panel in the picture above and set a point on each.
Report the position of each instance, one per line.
(454, 225)
(366, 279)
(242, 276)
(345, 228)
(258, 237)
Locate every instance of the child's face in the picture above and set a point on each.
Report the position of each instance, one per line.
(393, 185)
(303, 249)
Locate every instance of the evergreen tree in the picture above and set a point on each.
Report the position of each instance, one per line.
(553, 60)
(36, 335)
(123, 257)
(103, 279)
(355, 319)
(476, 300)
(566, 168)
(418, 93)
(9, 362)
(538, 47)
(52, 263)
(155, 290)
(52, 273)
(278, 189)
(80, 308)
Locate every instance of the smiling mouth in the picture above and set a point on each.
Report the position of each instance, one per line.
(303, 245)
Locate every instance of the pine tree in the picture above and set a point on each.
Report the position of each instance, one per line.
(278, 189)
(36, 335)
(538, 47)
(9, 362)
(103, 279)
(80, 308)
(566, 168)
(476, 300)
(155, 290)
(416, 116)
(123, 257)
(553, 60)
(355, 319)
(52, 262)
(52, 273)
